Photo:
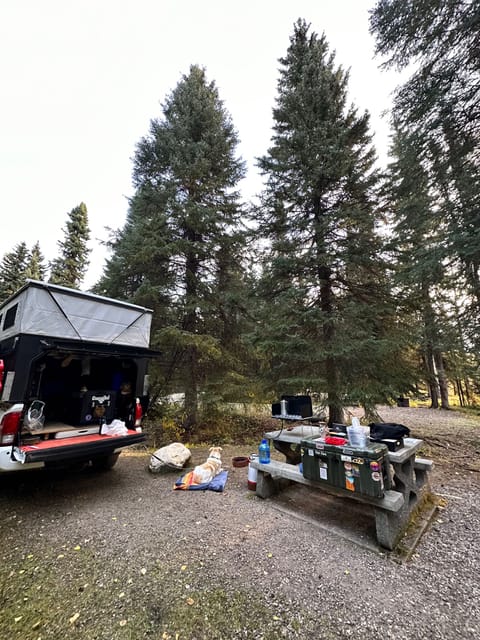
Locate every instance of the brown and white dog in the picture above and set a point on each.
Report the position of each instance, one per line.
(205, 472)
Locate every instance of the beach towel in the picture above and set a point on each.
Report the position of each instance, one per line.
(186, 483)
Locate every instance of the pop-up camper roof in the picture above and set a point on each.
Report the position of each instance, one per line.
(39, 308)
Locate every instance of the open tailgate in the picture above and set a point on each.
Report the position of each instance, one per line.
(78, 447)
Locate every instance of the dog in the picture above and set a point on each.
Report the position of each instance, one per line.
(204, 473)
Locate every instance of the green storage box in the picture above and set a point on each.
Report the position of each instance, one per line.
(320, 463)
(359, 470)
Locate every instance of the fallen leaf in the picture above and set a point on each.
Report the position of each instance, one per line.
(18, 619)
(60, 556)
(121, 595)
(183, 567)
(143, 571)
(347, 572)
(74, 618)
(77, 548)
(190, 601)
(269, 555)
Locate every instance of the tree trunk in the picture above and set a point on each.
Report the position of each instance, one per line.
(470, 398)
(191, 392)
(431, 379)
(335, 406)
(190, 325)
(430, 339)
(442, 379)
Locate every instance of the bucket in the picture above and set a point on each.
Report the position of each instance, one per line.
(357, 437)
(252, 473)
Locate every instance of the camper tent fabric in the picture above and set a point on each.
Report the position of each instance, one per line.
(44, 309)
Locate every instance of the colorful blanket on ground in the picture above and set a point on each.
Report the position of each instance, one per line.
(186, 483)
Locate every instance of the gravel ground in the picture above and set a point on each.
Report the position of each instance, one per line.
(121, 555)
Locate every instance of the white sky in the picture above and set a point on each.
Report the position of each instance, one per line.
(81, 80)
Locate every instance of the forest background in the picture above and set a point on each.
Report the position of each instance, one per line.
(342, 281)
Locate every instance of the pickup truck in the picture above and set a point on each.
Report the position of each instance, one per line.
(73, 377)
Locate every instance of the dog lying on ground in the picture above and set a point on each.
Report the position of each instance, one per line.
(205, 472)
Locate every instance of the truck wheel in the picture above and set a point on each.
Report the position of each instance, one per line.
(104, 463)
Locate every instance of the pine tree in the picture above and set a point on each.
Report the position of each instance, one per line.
(439, 107)
(439, 38)
(14, 270)
(327, 317)
(421, 277)
(182, 234)
(70, 267)
(36, 268)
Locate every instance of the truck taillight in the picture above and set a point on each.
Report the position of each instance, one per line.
(9, 426)
(138, 413)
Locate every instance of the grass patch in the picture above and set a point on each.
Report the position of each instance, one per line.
(217, 429)
(81, 595)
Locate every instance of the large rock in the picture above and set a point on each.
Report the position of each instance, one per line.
(170, 458)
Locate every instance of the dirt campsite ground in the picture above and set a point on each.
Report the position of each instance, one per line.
(98, 556)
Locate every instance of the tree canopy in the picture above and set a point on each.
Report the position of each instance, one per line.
(437, 109)
(180, 250)
(69, 268)
(328, 321)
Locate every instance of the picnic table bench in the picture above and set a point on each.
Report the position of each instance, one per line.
(408, 477)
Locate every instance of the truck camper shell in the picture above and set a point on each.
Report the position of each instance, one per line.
(82, 359)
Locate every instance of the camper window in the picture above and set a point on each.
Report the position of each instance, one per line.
(10, 316)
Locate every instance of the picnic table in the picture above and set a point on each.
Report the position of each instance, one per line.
(407, 475)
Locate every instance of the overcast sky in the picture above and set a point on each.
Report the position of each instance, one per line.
(81, 80)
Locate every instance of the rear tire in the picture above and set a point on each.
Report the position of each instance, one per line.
(105, 463)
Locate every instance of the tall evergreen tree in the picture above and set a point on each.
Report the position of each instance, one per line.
(70, 266)
(418, 246)
(181, 242)
(327, 314)
(14, 270)
(440, 39)
(440, 107)
(36, 268)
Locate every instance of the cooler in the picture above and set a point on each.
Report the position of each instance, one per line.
(360, 470)
(319, 461)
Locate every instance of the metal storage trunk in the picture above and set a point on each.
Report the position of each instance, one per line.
(360, 470)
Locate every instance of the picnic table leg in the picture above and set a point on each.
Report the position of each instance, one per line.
(266, 485)
(291, 452)
(422, 481)
(389, 527)
(410, 480)
(413, 484)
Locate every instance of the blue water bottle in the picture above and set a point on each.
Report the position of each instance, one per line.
(264, 452)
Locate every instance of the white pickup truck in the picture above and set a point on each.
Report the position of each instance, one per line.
(73, 377)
